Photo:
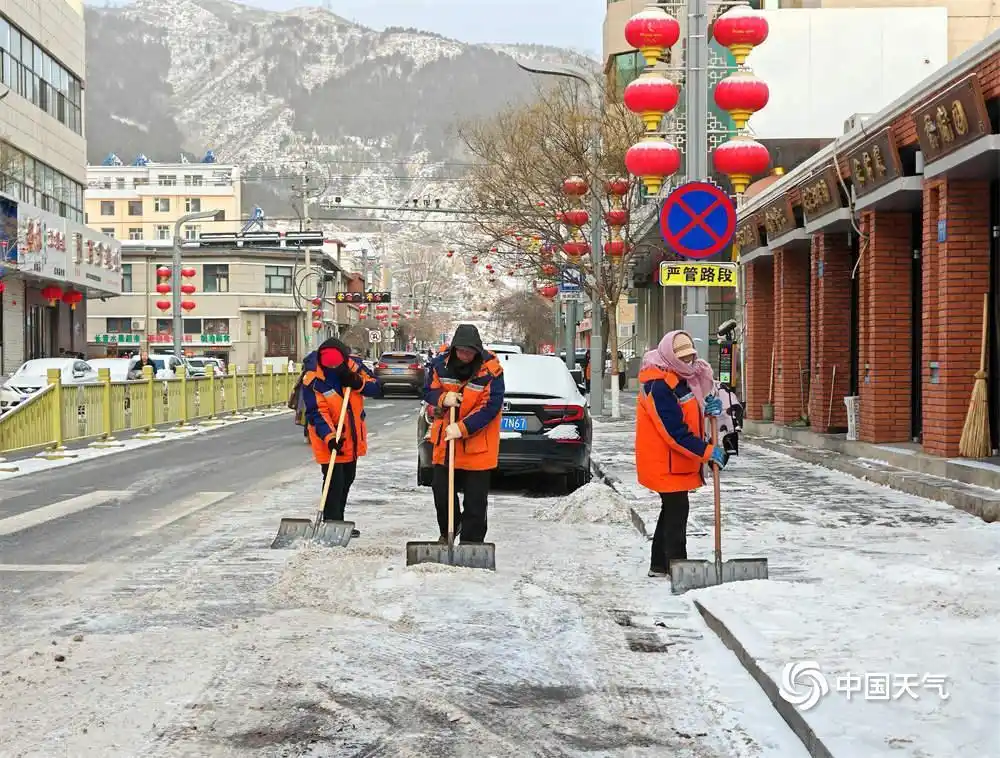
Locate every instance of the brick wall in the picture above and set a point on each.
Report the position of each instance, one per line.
(956, 275)
(760, 334)
(830, 327)
(884, 384)
(791, 334)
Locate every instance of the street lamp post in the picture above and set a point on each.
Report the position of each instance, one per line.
(217, 215)
(568, 71)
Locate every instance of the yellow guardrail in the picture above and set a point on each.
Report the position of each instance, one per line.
(62, 413)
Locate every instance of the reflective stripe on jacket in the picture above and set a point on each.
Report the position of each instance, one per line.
(670, 445)
(478, 416)
(324, 397)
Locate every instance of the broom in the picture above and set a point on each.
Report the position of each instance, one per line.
(975, 442)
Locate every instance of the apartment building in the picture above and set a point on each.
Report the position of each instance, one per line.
(142, 202)
(44, 245)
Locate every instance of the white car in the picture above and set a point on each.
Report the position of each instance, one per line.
(498, 348)
(117, 366)
(32, 376)
(200, 366)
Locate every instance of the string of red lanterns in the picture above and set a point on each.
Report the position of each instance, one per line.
(575, 187)
(616, 217)
(187, 288)
(317, 312)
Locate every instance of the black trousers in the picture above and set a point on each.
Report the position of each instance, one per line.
(670, 537)
(471, 518)
(340, 487)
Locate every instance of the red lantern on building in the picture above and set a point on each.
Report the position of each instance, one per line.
(187, 273)
(741, 94)
(576, 248)
(576, 217)
(163, 272)
(72, 298)
(650, 97)
(617, 187)
(187, 289)
(740, 29)
(653, 160)
(188, 305)
(548, 291)
(163, 305)
(163, 288)
(652, 31)
(741, 158)
(317, 324)
(575, 186)
(52, 294)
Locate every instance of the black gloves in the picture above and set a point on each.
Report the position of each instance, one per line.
(335, 445)
(349, 378)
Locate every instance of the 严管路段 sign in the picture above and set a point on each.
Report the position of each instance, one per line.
(697, 274)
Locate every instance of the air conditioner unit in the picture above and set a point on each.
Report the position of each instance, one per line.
(858, 120)
(138, 324)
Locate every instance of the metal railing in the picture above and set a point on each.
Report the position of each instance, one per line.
(62, 413)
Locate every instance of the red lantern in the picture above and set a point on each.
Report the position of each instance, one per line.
(187, 273)
(317, 324)
(651, 31)
(163, 272)
(3, 287)
(163, 305)
(187, 289)
(740, 29)
(616, 217)
(318, 301)
(163, 288)
(72, 298)
(617, 187)
(576, 217)
(450, 253)
(188, 305)
(396, 307)
(550, 269)
(650, 96)
(549, 291)
(393, 324)
(52, 294)
(652, 160)
(576, 248)
(741, 94)
(615, 248)
(317, 313)
(493, 249)
(489, 266)
(475, 259)
(575, 186)
(741, 158)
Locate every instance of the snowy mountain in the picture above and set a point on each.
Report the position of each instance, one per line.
(374, 113)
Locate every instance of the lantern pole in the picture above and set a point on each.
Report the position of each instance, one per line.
(218, 215)
(569, 71)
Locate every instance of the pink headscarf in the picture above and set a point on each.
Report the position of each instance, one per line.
(698, 374)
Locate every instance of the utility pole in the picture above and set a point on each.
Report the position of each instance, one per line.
(302, 191)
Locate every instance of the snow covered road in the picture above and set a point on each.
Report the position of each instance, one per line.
(210, 644)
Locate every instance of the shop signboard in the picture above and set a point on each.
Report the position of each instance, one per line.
(41, 242)
(95, 260)
(8, 231)
(193, 340)
(117, 339)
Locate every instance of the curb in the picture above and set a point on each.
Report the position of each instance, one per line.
(911, 482)
(812, 743)
(610, 481)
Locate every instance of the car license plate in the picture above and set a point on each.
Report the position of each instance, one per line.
(514, 424)
(399, 371)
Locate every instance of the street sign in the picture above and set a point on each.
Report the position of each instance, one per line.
(570, 285)
(374, 335)
(673, 274)
(363, 297)
(547, 348)
(698, 220)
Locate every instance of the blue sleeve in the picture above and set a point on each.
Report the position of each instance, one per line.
(478, 420)
(314, 416)
(432, 387)
(373, 387)
(672, 418)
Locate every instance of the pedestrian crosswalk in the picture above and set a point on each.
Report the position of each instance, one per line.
(67, 507)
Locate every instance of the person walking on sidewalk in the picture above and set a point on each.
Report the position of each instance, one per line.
(329, 371)
(675, 388)
(468, 378)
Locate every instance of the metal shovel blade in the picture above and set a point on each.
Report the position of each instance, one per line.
(333, 533)
(694, 575)
(293, 531)
(477, 556)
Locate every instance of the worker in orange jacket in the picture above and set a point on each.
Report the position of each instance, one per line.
(328, 372)
(675, 387)
(468, 378)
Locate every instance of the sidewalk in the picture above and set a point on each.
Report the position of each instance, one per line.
(865, 580)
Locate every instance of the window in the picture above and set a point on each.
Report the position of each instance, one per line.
(627, 68)
(191, 231)
(278, 280)
(120, 184)
(162, 232)
(164, 326)
(215, 277)
(118, 326)
(193, 180)
(135, 207)
(216, 326)
(192, 326)
(135, 233)
(161, 204)
(109, 231)
(192, 204)
(126, 277)
(32, 181)
(167, 180)
(107, 207)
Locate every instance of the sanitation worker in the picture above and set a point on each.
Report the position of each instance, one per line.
(675, 387)
(328, 373)
(468, 378)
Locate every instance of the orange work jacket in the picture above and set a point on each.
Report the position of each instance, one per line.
(324, 398)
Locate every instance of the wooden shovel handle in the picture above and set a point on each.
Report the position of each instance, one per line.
(451, 486)
(716, 490)
(333, 456)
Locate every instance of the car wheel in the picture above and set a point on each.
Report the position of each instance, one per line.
(425, 476)
(578, 478)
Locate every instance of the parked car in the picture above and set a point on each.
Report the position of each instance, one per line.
(165, 366)
(503, 347)
(33, 376)
(401, 370)
(546, 426)
(117, 366)
(200, 366)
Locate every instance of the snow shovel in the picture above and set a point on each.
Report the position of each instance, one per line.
(324, 533)
(481, 556)
(692, 575)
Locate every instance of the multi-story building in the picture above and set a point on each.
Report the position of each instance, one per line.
(142, 202)
(252, 299)
(44, 245)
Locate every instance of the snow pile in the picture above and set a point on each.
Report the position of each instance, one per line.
(594, 503)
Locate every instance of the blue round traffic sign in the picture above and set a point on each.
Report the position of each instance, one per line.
(698, 220)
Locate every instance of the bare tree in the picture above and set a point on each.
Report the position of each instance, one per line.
(524, 154)
(422, 278)
(525, 317)
(356, 337)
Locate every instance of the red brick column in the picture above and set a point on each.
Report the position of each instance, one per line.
(760, 334)
(791, 301)
(830, 322)
(886, 311)
(955, 276)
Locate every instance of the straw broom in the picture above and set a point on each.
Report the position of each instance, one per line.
(975, 442)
